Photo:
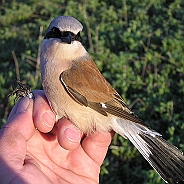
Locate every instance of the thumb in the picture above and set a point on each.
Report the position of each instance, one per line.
(15, 133)
(20, 120)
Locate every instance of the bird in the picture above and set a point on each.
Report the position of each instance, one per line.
(75, 89)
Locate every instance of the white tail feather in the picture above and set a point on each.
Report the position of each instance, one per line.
(160, 154)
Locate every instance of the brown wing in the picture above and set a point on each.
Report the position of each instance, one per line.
(86, 85)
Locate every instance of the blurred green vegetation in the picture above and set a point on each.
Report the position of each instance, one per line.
(137, 45)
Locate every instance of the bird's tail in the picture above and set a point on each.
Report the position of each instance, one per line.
(166, 159)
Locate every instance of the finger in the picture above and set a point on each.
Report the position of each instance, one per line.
(69, 136)
(44, 118)
(13, 113)
(15, 134)
(20, 119)
(98, 142)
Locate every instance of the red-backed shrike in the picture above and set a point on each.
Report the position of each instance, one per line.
(76, 90)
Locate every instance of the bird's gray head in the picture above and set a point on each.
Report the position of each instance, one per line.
(65, 28)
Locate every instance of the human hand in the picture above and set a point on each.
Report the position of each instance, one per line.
(52, 153)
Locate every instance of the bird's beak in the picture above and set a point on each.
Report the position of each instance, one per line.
(67, 39)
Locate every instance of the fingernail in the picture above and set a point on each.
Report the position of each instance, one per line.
(49, 118)
(23, 105)
(72, 133)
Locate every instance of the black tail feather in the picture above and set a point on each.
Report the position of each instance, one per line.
(165, 158)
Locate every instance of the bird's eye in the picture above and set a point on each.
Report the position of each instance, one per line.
(77, 37)
(54, 30)
(56, 33)
(53, 33)
(65, 33)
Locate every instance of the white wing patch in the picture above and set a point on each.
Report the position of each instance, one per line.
(103, 105)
